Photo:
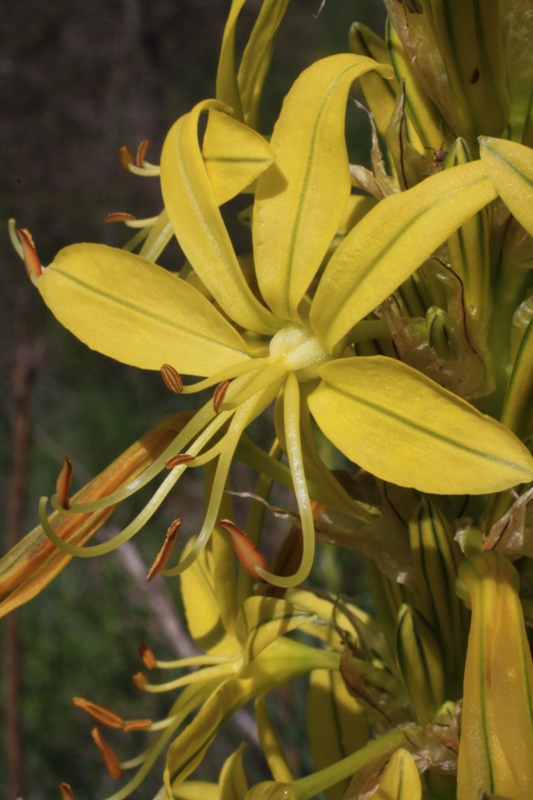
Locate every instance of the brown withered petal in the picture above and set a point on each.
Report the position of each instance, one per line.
(141, 152)
(147, 656)
(163, 555)
(137, 725)
(172, 378)
(181, 458)
(31, 259)
(119, 216)
(66, 792)
(63, 483)
(126, 157)
(100, 713)
(139, 681)
(111, 761)
(219, 395)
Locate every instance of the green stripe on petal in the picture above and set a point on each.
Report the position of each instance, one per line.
(390, 242)
(301, 200)
(510, 167)
(136, 312)
(194, 214)
(402, 427)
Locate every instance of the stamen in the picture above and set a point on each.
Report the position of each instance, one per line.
(147, 656)
(172, 378)
(141, 152)
(235, 371)
(201, 676)
(145, 172)
(140, 681)
(111, 761)
(126, 157)
(248, 555)
(219, 395)
(66, 792)
(31, 259)
(181, 458)
(267, 377)
(63, 483)
(164, 553)
(119, 216)
(15, 241)
(100, 713)
(137, 725)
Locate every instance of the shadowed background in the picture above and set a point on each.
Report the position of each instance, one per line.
(77, 81)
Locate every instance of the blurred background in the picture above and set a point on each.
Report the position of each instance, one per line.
(77, 81)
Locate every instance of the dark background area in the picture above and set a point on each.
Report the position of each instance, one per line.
(77, 81)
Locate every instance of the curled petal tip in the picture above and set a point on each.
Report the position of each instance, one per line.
(248, 555)
(172, 378)
(147, 656)
(104, 715)
(163, 555)
(111, 761)
(119, 216)
(31, 259)
(141, 152)
(126, 157)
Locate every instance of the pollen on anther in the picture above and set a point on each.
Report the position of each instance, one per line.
(119, 216)
(172, 378)
(111, 761)
(147, 656)
(126, 157)
(141, 152)
(63, 483)
(104, 715)
(163, 555)
(219, 395)
(180, 458)
(66, 792)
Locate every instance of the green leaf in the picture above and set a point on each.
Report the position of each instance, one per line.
(301, 199)
(510, 167)
(402, 427)
(233, 154)
(390, 242)
(194, 214)
(136, 312)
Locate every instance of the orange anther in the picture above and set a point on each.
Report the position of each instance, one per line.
(175, 461)
(111, 761)
(119, 216)
(147, 656)
(247, 553)
(140, 682)
(137, 725)
(100, 713)
(163, 555)
(219, 395)
(31, 259)
(63, 483)
(141, 152)
(126, 157)
(66, 792)
(172, 378)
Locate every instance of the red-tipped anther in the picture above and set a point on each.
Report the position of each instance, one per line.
(246, 551)
(140, 682)
(31, 259)
(66, 792)
(219, 395)
(147, 656)
(163, 555)
(137, 725)
(100, 713)
(111, 761)
(175, 461)
(172, 378)
(63, 483)
(141, 152)
(126, 157)
(119, 216)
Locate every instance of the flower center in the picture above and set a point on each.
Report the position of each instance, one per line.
(300, 350)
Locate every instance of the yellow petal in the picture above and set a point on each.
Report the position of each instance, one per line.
(390, 242)
(510, 167)
(401, 779)
(132, 310)
(396, 424)
(301, 199)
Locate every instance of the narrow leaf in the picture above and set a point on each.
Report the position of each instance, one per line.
(394, 422)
